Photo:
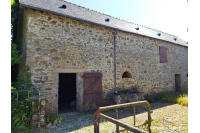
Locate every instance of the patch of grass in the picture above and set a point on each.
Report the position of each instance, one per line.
(124, 91)
(150, 99)
(169, 97)
(155, 131)
(172, 97)
(183, 101)
(157, 122)
(51, 119)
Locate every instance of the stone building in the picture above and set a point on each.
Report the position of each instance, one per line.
(73, 51)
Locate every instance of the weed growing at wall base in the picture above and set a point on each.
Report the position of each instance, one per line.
(51, 119)
(172, 97)
(183, 100)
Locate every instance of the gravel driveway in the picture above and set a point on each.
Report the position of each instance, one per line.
(166, 117)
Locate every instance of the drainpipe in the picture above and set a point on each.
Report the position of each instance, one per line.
(115, 60)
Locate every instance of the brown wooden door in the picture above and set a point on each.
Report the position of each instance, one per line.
(92, 90)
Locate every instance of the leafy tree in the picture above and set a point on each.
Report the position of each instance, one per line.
(14, 17)
(21, 113)
(15, 57)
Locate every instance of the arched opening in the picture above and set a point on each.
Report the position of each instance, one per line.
(126, 75)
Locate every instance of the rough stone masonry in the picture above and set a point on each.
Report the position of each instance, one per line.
(53, 44)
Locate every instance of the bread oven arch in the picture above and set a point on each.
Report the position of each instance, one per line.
(126, 75)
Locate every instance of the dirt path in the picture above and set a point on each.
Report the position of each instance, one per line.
(175, 118)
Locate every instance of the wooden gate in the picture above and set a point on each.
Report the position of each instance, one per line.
(92, 90)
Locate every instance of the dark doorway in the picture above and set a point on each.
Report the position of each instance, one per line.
(178, 82)
(67, 92)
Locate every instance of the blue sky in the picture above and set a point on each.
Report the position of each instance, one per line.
(169, 16)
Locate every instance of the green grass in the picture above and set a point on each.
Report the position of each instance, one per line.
(123, 91)
(183, 101)
(171, 97)
(51, 119)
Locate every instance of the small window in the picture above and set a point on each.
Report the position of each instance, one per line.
(126, 75)
(163, 54)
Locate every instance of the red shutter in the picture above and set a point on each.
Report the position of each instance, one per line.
(163, 54)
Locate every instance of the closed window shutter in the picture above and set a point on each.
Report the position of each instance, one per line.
(163, 54)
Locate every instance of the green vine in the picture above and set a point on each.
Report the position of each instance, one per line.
(24, 80)
(21, 112)
(15, 56)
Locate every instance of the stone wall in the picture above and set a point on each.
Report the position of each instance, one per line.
(38, 117)
(21, 38)
(58, 43)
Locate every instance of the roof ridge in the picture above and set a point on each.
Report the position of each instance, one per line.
(117, 18)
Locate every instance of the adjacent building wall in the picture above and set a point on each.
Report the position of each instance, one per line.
(55, 42)
(21, 38)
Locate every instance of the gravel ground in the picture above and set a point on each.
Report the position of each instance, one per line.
(166, 118)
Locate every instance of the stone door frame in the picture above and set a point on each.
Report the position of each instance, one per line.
(79, 86)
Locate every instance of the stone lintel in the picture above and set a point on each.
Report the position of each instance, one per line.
(67, 70)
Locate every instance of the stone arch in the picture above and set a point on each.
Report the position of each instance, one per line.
(126, 75)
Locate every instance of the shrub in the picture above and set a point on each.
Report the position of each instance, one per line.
(51, 119)
(15, 56)
(21, 112)
(183, 101)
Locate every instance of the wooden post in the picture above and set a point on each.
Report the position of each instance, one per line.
(134, 115)
(117, 127)
(96, 124)
(149, 117)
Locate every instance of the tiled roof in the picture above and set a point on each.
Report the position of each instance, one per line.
(94, 17)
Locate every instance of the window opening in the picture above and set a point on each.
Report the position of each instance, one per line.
(163, 54)
(126, 75)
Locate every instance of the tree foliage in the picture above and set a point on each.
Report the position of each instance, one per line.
(14, 14)
(24, 80)
(15, 56)
(21, 113)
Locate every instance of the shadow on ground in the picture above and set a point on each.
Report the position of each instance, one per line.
(128, 111)
(75, 121)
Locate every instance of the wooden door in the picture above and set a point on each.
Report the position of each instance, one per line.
(92, 91)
